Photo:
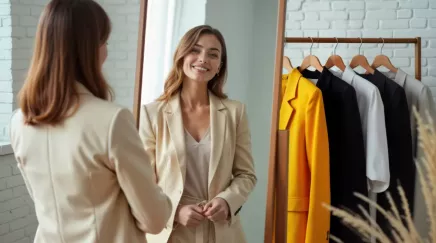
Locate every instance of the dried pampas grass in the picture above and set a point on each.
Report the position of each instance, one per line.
(403, 228)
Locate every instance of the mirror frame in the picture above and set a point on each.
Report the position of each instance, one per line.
(143, 6)
(276, 202)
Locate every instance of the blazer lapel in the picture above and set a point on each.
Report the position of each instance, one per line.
(174, 119)
(286, 109)
(218, 131)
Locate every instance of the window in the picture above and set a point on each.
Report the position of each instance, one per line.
(167, 22)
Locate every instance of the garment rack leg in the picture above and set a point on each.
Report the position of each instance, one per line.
(282, 186)
(418, 58)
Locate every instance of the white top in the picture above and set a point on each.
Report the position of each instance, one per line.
(372, 116)
(197, 166)
(196, 188)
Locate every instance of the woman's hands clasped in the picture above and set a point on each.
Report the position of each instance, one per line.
(189, 215)
(192, 215)
(216, 210)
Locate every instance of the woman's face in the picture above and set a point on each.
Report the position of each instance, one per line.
(203, 62)
(103, 53)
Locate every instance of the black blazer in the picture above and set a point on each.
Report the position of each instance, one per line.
(346, 147)
(401, 164)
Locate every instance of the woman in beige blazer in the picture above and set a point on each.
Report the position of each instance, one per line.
(80, 156)
(200, 142)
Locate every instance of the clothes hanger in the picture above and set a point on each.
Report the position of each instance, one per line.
(360, 60)
(383, 60)
(287, 63)
(311, 61)
(335, 60)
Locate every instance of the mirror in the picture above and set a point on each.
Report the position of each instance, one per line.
(250, 39)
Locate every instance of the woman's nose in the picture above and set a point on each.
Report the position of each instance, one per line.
(202, 57)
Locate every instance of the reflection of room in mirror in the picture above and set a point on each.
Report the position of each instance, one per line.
(167, 21)
(120, 66)
(245, 25)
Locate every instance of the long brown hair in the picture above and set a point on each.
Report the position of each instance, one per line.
(66, 50)
(174, 82)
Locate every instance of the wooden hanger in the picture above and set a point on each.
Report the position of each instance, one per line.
(311, 61)
(383, 60)
(360, 60)
(287, 63)
(335, 60)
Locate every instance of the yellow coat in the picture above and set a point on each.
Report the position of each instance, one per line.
(302, 113)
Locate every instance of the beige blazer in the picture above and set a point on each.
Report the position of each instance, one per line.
(90, 178)
(231, 171)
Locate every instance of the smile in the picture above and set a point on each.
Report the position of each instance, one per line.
(200, 68)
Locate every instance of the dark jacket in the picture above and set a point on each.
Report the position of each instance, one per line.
(346, 147)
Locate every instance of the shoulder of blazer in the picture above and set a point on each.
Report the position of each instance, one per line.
(232, 104)
(234, 107)
(154, 108)
(15, 120)
(308, 88)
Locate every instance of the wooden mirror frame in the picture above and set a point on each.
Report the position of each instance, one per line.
(276, 201)
(143, 4)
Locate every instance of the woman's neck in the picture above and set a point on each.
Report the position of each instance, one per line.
(194, 94)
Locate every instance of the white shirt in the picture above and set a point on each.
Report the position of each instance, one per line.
(372, 116)
(197, 166)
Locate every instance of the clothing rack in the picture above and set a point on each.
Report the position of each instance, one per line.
(276, 213)
(416, 41)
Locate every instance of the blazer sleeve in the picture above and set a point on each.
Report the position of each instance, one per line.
(317, 149)
(377, 154)
(149, 205)
(351, 175)
(353, 150)
(244, 178)
(403, 156)
(148, 139)
(427, 109)
(13, 120)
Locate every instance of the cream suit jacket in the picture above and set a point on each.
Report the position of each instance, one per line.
(90, 178)
(231, 172)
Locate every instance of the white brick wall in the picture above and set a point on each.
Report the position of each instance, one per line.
(5, 66)
(17, 215)
(17, 30)
(372, 18)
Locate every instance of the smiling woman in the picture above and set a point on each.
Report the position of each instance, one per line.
(200, 142)
(201, 40)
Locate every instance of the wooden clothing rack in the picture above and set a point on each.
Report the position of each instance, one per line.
(416, 41)
(276, 213)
